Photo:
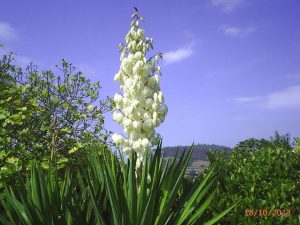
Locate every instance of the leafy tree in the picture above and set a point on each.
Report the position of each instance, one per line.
(47, 116)
(282, 140)
(260, 175)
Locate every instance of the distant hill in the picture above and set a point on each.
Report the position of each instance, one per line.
(199, 153)
(199, 160)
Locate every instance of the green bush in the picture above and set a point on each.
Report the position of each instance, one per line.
(110, 191)
(260, 175)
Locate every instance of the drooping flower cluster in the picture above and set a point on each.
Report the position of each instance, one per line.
(141, 107)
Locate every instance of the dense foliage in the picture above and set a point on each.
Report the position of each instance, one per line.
(46, 116)
(107, 191)
(260, 175)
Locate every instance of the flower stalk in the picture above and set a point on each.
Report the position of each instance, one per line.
(140, 108)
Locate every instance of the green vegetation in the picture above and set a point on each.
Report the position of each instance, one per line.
(48, 123)
(57, 165)
(47, 117)
(260, 175)
(108, 191)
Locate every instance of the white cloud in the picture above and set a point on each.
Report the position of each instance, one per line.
(237, 32)
(7, 32)
(287, 98)
(179, 54)
(247, 99)
(227, 5)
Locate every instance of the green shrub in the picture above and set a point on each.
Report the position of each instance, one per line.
(261, 175)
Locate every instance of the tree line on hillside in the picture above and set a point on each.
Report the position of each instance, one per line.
(199, 153)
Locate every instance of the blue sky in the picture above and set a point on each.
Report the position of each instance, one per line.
(231, 69)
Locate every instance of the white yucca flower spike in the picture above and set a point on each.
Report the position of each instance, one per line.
(140, 108)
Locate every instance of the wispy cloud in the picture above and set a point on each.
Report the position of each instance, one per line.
(247, 99)
(227, 5)
(179, 54)
(7, 32)
(236, 31)
(287, 98)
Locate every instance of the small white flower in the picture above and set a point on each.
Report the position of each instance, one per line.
(148, 123)
(117, 76)
(155, 106)
(122, 56)
(117, 138)
(138, 55)
(118, 98)
(127, 122)
(145, 142)
(136, 124)
(127, 150)
(136, 144)
(135, 103)
(125, 101)
(160, 97)
(155, 97)
(128, 83)
(156, 78)
(154, 115)
(118, 117)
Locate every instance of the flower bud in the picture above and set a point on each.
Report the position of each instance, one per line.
(155, 97)
(140, 33)
(117, 77)
(160, 97)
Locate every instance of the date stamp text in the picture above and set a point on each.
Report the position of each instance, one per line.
(266, 212)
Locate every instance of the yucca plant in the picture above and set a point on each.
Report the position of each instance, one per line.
(45, 198)
(150, 195)
(111, 191)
